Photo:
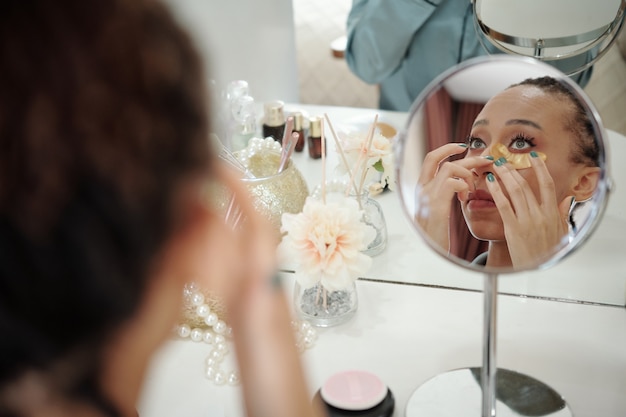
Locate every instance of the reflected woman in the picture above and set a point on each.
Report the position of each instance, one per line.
(530, 156)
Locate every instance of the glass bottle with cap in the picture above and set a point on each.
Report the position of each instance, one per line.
(244, 122)
(315, 137)
(274, 120)
(298, 127)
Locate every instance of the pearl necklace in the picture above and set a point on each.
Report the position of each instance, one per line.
(219, 335)
(257, 145)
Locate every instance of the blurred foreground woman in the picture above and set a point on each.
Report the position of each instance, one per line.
(104, 157)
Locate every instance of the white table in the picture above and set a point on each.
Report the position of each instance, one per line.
(419, 316)
(407, 334)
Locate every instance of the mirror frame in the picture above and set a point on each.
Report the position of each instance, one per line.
(533, 69)
(594, 43)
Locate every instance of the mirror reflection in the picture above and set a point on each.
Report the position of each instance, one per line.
(502, 165)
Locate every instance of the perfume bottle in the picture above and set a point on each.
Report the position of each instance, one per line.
(315, 137)
(298, 127)
(244, 122)
(234, 91)
(274, 120)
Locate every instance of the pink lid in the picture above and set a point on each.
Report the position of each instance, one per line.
(353, 390)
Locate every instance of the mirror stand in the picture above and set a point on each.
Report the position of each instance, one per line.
(470, 391)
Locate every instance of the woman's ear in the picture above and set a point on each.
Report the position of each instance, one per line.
(586, 183)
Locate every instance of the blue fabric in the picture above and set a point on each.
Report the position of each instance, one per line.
(402, 45)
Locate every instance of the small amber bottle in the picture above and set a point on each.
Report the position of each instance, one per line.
(274, 120)
(298, 127)
(315, 138)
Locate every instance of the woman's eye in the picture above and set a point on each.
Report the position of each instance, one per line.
(521, 143)
(476, 143)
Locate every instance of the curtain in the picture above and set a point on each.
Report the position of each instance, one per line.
(448, 120)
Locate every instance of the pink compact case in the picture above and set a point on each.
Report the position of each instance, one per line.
(356, 393)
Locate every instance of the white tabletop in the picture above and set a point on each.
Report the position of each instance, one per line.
(419, 316)
(407, 334)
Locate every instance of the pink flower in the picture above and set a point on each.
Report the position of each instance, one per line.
(379, 159)
(326, 241)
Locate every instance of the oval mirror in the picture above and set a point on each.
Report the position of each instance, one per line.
(569, 34)
(502, 165)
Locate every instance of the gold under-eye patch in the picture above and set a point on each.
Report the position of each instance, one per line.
(516, 160)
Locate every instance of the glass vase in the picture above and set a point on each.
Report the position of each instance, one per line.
(273, 193)
(372, 212)
(324, 308)
(373, 216)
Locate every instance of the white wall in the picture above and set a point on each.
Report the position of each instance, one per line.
(252, 40)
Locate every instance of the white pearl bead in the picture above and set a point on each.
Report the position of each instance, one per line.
(203, 310)
(211, 319)
(233, 378)
(211, 362)
(218, 338)
(308, 342)
(210, 372)
(197, 299)
(208, 337)
(197, 335)
(184, 330)
(311, 333)
(219, 327)
(229, 332)
(222, 347)
(217, 355)
(219, 378)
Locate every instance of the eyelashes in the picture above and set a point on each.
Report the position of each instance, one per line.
(519, 142)
(525, 141)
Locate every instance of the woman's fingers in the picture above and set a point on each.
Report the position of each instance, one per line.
(521, 196)
(434, 158)
(547, 191)
(507, 213)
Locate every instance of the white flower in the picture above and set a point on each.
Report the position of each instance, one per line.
(326, 240)
(379, 158)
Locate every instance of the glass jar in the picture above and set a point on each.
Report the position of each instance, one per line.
(324, 308)
(274, 193)
(372, 212)
(373, 216)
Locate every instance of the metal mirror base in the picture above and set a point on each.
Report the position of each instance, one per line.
(458, 393)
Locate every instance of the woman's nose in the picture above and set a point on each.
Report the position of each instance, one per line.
(481, 172)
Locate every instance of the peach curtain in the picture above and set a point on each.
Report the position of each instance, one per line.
(447, 121)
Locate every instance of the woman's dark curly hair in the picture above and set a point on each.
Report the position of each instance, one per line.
(103, 119)
(577, 121)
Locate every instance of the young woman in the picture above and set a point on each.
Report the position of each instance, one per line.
(530, 155)
(104, 163)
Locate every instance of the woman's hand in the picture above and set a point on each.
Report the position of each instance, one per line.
(437, 185)
(535, 226)
(270, 366)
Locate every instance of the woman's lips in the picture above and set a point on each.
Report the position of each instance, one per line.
(480, 199)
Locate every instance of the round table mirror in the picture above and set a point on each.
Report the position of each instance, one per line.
(501, 168)
(570, 34)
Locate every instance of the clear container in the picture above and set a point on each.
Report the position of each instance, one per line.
(373, 216)
(372, 213)
(275, 194)
(323, 308)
